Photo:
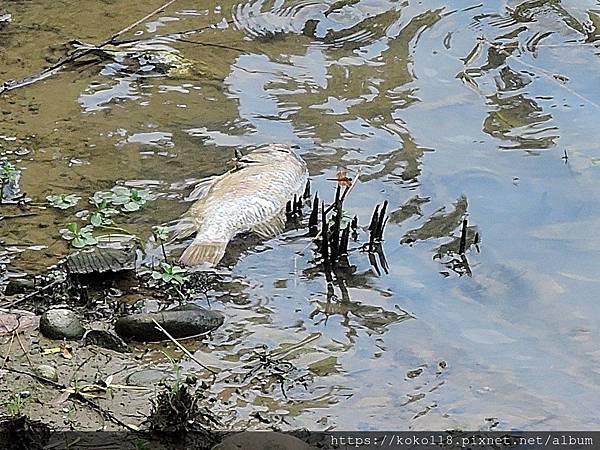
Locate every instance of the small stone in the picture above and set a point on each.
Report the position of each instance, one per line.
(104, 339)
(61, 323)
(47, 372)
(18, 286)
(146, 377)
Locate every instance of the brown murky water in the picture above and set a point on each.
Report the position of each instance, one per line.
(447, 108)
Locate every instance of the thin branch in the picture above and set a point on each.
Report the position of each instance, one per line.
(104, 412)
(32, 294)
(136, 23)
(16, 216)
(74, 55)
(182, 348)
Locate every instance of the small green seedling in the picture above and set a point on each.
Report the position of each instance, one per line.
(102, 215)
(121, 196)
(130, 199)
(63, 201)
(8, 174)
(15, 405)
(161, 234)
(170, 274)
(79, 237)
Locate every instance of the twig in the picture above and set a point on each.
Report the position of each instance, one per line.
(74, 55)
(15, 216)
(32, 294)
(277, 355)
(12, 338)
(24, 351)
(104, 412)
(182, 348)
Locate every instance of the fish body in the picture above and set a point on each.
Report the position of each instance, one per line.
(250, 197)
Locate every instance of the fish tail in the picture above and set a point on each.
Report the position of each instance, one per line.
(203, 252)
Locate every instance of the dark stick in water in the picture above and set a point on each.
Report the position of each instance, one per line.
(373, 227)
(335, 235)
(313, 220)
(343, 250)
(381, 222)
(324, 237)
(307, 190)
(463, 238)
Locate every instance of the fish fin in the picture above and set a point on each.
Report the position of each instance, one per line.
(203, 252)
(270, 228)
(202, 188)
(182, 229)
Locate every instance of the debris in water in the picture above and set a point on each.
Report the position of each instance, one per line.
(101, 260)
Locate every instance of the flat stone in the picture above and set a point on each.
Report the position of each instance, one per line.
(104, 339)
(61, 323)
(262, 441)
(147, 377)
(180, 322)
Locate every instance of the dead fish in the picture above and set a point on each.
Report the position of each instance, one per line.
(250, 197)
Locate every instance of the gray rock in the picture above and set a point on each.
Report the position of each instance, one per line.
(180, 322)
(262, 441)
(18, 286)
(61, 323)
(147, 377)
(104, 339)
(47, 372)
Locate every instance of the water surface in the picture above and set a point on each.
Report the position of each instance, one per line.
(445, 108)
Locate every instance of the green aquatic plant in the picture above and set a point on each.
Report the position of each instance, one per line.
(161, 234)
(127, 199)
(170, 274)
(63, 201)
(8, 174)
(106, 205)
(172, 277)
(79, 237)
(130, 199)
(103, 213)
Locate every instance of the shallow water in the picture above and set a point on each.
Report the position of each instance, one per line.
(465, 107)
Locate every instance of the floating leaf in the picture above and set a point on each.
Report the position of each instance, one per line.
(63, 201)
